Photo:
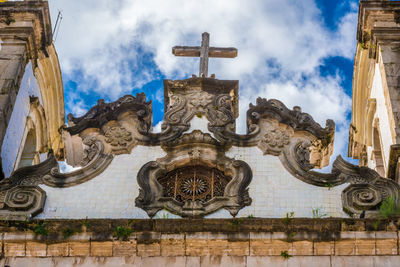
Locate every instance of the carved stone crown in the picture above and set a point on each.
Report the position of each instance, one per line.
(105, 112)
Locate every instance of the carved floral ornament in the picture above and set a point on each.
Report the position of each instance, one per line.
(118, 136)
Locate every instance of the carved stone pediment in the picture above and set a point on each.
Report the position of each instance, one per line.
(195, 177)
(103, 112)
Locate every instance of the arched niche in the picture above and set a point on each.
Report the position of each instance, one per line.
(34, 140)
(29, 154)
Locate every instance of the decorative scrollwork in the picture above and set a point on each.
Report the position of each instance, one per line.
(24, 198)
(104, 112)
(96, 162)
(21, 202)
(361, 197)
(367, 188)
(91, 150)
(296, 119)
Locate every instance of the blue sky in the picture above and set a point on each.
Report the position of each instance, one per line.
(300, 52)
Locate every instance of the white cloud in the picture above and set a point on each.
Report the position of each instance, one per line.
(157, 128)
(75, 104)
(281, 45)
(65, 168)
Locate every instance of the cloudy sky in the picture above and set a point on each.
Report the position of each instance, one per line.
(300, 52)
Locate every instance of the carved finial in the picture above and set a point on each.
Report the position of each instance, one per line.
(297, 108)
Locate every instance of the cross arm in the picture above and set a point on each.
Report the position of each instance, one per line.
(194, 51)
(186, 51)
(226, 52)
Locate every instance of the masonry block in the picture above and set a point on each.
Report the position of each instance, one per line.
(148, 250)
(277, 246)
(172, 245)
(14, 249)
(223, 261)
(345, 247)
(196, 247)
(324, 248)
(217, 247)
(260, 247)
(301, 248)
(124, 248)
(57, 250)
(36, 249)
(79, 249)
(239, 248)
(386, 243)
(365, 247)
(101, 249)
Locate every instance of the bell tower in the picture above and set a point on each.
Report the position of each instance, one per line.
(374, 136)
(31, 90)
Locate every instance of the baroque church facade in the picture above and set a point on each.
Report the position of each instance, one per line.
(197, 193)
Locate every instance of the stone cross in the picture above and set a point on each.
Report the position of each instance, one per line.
(204, 52)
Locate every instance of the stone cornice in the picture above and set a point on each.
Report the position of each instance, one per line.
(27, 21)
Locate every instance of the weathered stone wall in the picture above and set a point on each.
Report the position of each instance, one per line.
(274, 191)
(246, 242)
(14, 137)
(12, 65)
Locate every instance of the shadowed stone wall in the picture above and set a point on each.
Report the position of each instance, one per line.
(164, 242)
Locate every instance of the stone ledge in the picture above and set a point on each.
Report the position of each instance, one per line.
(94, 238)
(201, 247)
(305, 228)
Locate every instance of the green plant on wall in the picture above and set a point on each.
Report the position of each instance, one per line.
(317, 213)
(285, 254)
(67, 232)
(122, 232)
(328, 185)
(289, 217)
(236, 222)
(389, 207)
(40, 229)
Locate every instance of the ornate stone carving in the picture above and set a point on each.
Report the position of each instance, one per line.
(359, 197)
(96, 162)
(271, 125)
(104, 112)
(296, 119)
(195, 137)
(367, 188)
(275, 139)
(22, 198)
(194, 179)
(22, 202)
(118, 136)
